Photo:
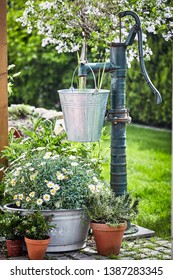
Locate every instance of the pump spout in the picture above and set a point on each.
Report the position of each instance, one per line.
(137, 29)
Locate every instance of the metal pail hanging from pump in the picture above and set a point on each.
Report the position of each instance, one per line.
(84, 112)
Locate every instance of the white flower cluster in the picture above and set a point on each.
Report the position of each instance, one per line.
(66, 23)
(48, 180)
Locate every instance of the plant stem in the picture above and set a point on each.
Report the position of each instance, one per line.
(83, 58)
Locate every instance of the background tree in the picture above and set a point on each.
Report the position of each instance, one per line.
(63, 29)
(41, 68)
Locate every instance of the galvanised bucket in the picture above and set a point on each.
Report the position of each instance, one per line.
(84, 113)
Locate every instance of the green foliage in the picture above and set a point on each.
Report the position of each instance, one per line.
(106, 207)
(42, 134)
(37, 226)
(10, 225)
(11, 79)
(140, 99)
(43, 72)
(47, 180)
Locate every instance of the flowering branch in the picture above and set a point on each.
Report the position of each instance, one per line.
(66, 24)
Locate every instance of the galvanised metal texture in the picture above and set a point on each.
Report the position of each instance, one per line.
(118, 174)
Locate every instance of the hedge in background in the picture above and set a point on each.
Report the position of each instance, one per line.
(140, 99)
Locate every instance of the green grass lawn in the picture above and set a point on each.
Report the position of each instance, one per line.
(148, 175)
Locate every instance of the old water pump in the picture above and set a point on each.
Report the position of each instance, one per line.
(118, 115)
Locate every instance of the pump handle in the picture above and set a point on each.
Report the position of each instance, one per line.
(138, 30)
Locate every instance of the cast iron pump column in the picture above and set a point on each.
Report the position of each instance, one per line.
(118, 114)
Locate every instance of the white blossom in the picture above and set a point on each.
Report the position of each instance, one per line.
(63, 25)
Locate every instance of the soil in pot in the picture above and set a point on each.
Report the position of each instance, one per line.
(108, 239)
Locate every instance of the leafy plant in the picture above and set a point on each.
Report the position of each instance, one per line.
(106, 207)
(47, 180)
(42, 134)
(11, 79)
(10, 225)
(37, 226)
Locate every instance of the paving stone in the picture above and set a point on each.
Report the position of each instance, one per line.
(126, 258)
(18, 258)
(166, 251)
(164, 242)
(76, 255)
(144, 248)
(54, 254)
(87, 257)
(63, 258)
(3, 257)
(89, 250)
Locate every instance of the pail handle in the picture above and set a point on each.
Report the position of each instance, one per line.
(72, 87)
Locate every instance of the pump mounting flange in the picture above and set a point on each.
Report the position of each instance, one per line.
(117, 116)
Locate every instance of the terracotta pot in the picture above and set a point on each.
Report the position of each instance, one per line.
(108, 239)
(72, 226)
(14, 247)
(36, 248)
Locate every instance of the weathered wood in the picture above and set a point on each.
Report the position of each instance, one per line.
(3, 79)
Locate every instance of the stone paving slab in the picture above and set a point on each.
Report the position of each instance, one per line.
(152, 248)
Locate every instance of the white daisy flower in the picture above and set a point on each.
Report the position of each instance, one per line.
(16, 173)
(92, 187)
(57, 204)
(32, 177)
(39, 201)
(42, 163)
(20, 196)
(13, 182)
(60, 176)
(64, 170)
(56, 187)
(19, 168)
(74, 163)
(50, 184)
(15, 196)
(56, 156)
(99, 187)
(47, 155)
(22, 180)
(32, 194)
(46, 197)
(28, 164)
(72, 157)
(93, 160)
(18, 203)
(31, 169)
(28, 199)
(53, 191)
(95, 179)
(40, 148)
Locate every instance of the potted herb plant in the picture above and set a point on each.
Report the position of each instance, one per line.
(55, 184)
(11, 229)
(109, 216)
(36, 230)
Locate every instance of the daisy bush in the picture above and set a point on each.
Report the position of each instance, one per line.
(46, 180)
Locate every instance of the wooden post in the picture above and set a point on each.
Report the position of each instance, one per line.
(3, 79)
